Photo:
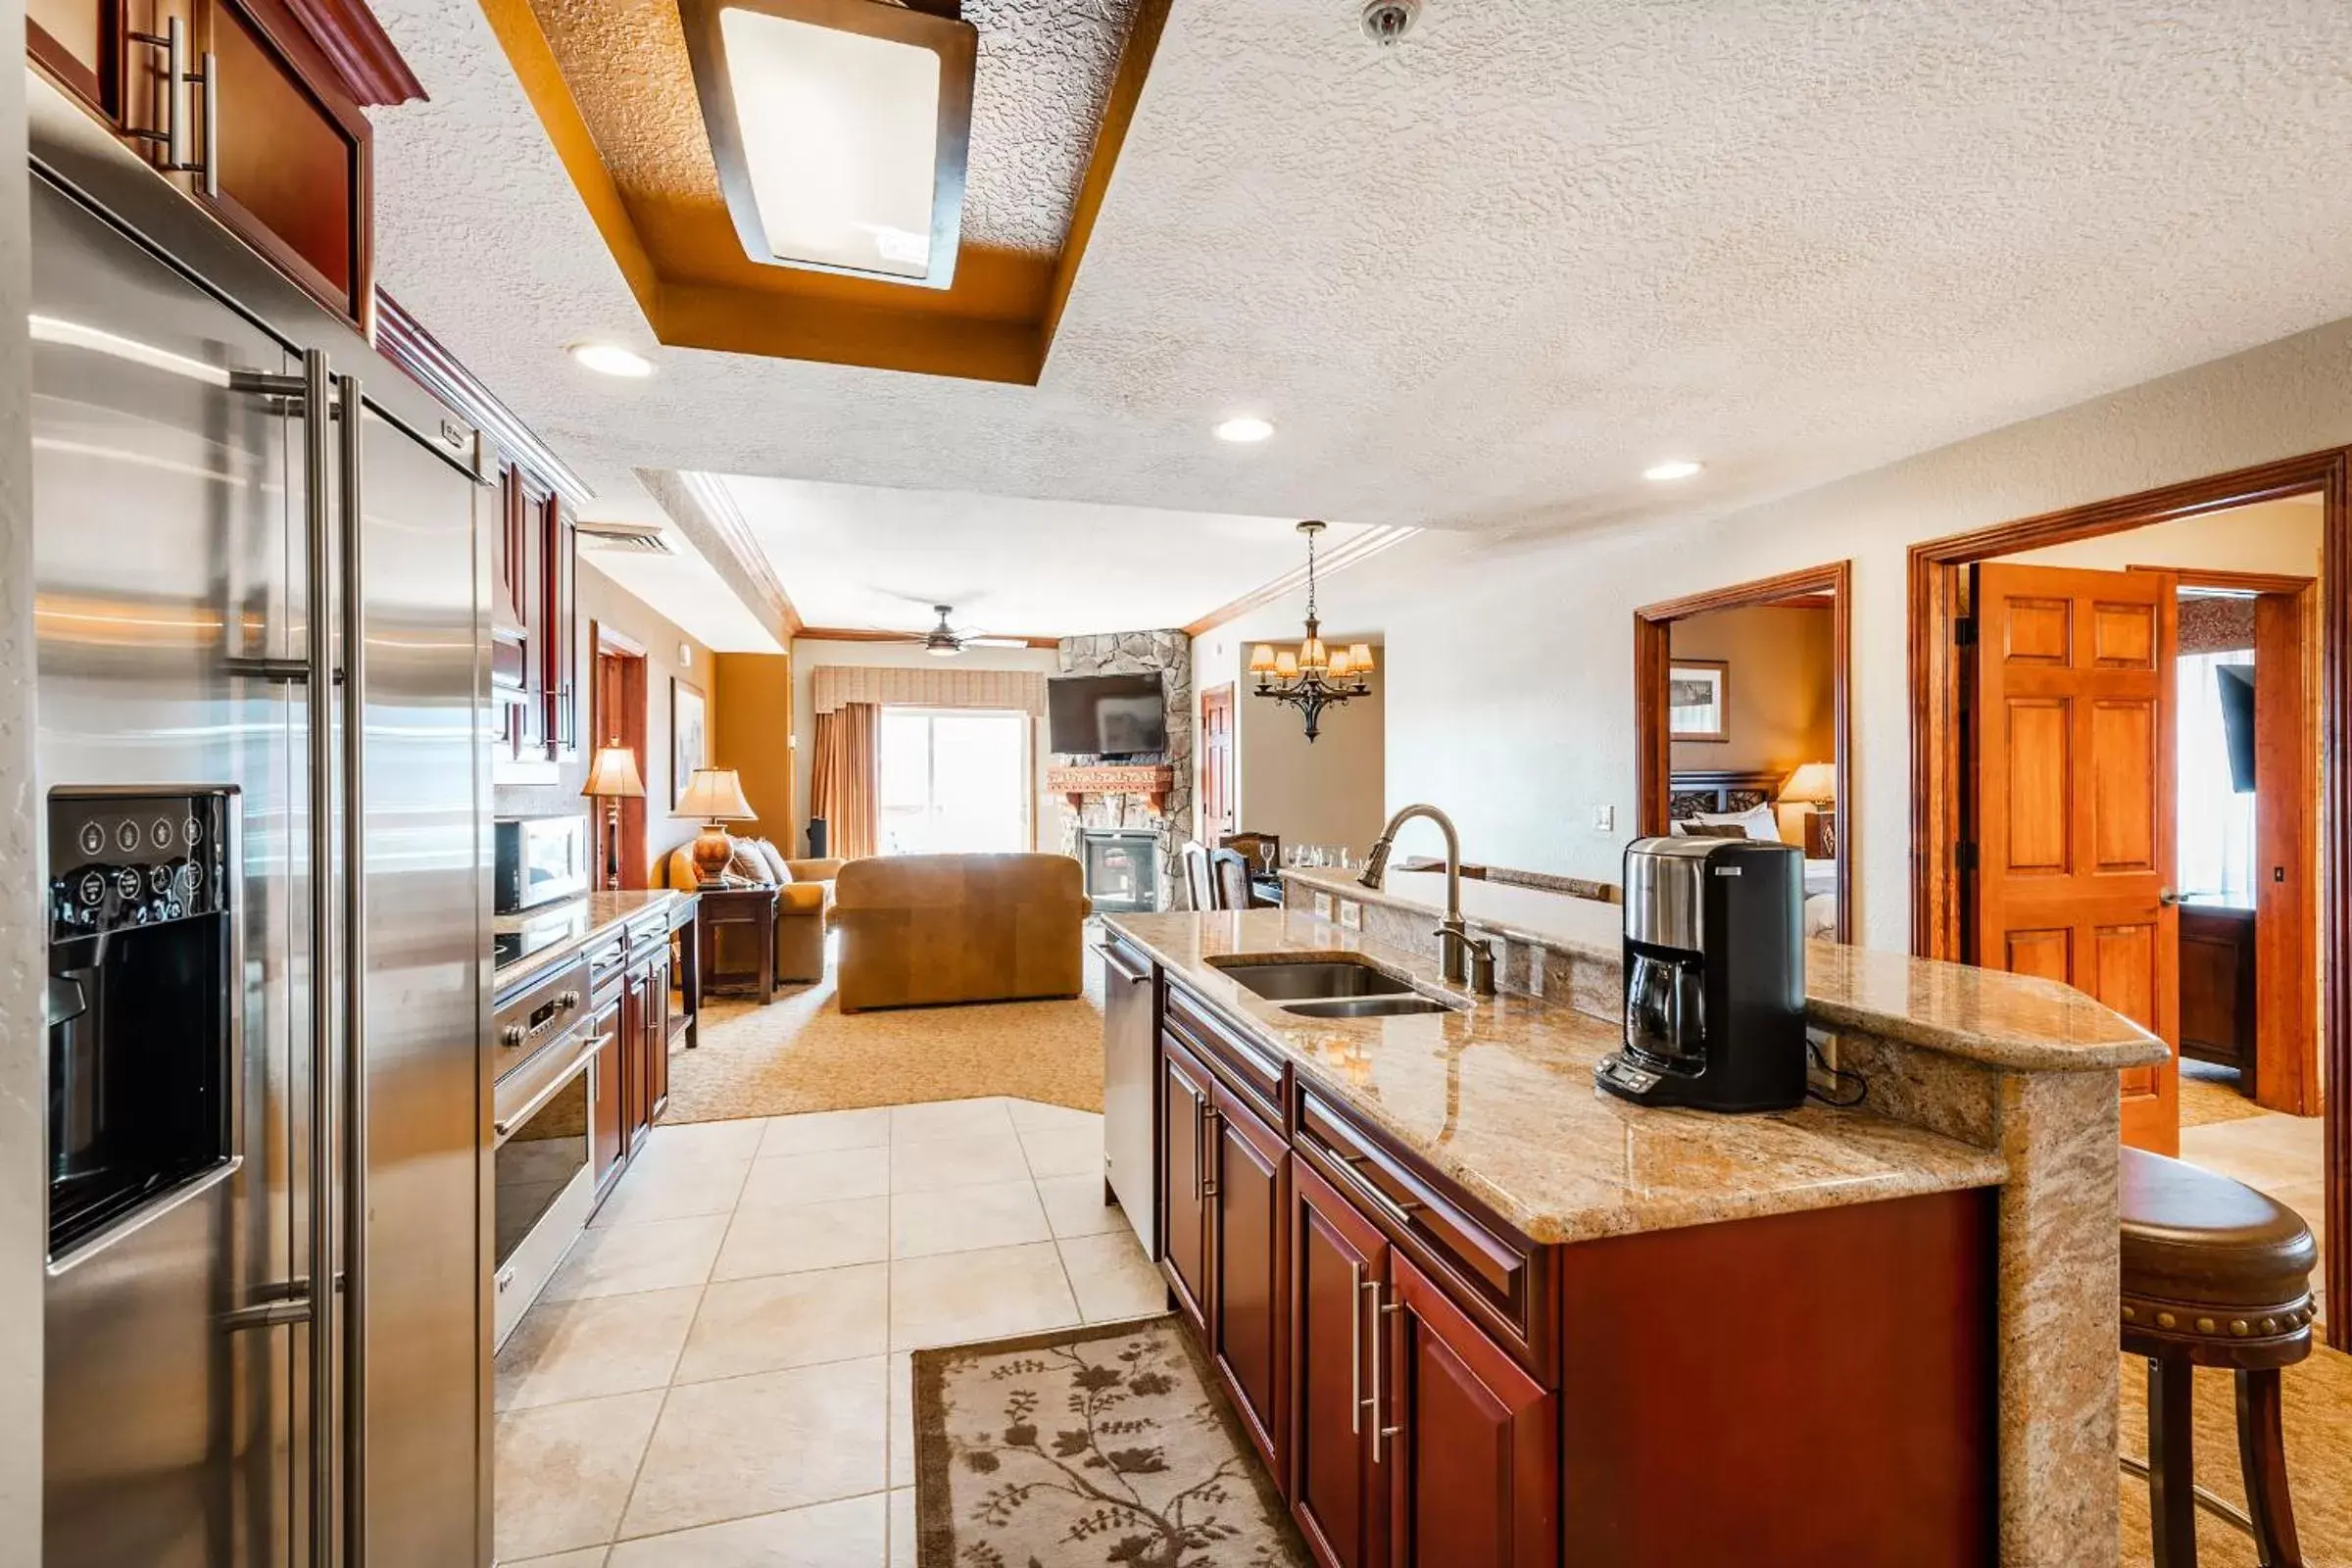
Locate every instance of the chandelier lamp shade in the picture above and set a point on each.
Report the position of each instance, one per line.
(1312, 676)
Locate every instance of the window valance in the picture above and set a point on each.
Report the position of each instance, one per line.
(1016, 690)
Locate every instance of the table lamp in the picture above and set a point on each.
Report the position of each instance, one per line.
(1815, 785)
(613, 777)
(716, 795)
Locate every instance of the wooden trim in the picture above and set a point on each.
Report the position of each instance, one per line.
(876, 635)
(1111, 139)
(2252, 582)
(401, 338)
(1934, 608)
(612, 640)
(1654, 746)
(43, 50)
(1361, 548)
(360, 54)
(607, 642)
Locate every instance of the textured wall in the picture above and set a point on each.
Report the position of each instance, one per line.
(1169, 655)
(24, 1190)
(1522, 752)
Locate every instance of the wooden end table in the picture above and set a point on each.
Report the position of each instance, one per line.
(738, 907)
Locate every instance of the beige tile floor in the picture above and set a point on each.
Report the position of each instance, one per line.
(2282, 1155)
(719, 1375)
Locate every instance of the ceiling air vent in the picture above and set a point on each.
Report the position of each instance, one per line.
(643, 537)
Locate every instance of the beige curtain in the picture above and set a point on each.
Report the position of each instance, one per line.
(842, 779)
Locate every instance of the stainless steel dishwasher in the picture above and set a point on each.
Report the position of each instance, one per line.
(1127, 1082)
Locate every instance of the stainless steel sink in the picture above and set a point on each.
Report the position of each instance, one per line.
(1314, 977)
(1366, 1007)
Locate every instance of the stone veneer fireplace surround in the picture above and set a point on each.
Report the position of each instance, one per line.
(1167, 654)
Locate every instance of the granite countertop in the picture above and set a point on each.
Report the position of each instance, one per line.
(1499, 1097)
(2010, 1021)
(586, 921)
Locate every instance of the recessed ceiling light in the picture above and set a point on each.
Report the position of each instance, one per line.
(1244, 427)
(610, 359)
(1673, 469)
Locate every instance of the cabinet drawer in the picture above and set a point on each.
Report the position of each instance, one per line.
(605, 961)
(1491, 1271)
(1255, 1072)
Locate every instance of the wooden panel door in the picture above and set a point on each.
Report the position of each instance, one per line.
(1183, 1102)
(1249, 1208)
(2286, 918)
(1216, 765)
(1474, 1466)
(2071, 720)
(1339, 1261)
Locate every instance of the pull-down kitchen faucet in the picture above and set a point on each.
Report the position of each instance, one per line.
(1465, 957)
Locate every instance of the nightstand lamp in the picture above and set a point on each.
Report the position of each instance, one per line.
(613, 778)
(1814, 785)
(716, 795)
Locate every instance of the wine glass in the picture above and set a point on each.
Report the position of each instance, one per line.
(1268, 848)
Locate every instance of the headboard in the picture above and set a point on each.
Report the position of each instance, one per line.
(1688, 794)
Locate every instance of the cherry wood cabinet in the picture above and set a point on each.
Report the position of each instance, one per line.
(1338, 1265)
(653, 1068)
(1470, 1441)
(1249, 1212)
(250, 119)
(534, 621)
(1184, 1101)
(607, 1134)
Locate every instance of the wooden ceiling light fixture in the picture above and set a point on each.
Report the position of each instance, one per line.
(840, 129)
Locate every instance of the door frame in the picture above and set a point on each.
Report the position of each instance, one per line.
(607, 642)
(2296, 1002)
(1933, 611)
(1653, 745)
(1210, 697)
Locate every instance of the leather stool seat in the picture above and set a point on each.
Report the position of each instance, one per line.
(2214, 1274)
(2212, 1270)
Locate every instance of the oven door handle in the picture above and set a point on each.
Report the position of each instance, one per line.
(504, 1126)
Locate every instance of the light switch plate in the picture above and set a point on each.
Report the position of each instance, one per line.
(1605, 820)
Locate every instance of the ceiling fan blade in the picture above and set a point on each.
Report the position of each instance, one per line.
(996, 641)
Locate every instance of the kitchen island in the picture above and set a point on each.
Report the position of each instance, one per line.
(1472, 1311)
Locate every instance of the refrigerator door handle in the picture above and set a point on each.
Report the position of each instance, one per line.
(350, 413)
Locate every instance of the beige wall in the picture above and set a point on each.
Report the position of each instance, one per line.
(754, 711)
(1332, 792)
(1510, 661)
(2280, 537)
(24, 1041)
(1783, 689)
(557, 790)
(810, 654)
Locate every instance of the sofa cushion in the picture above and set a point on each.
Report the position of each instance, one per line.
(777, 871)
(802, 897)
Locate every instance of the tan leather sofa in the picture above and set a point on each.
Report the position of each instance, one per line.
(801, 905)
(918, 930)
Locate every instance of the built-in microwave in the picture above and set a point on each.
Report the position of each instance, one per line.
(540, 860)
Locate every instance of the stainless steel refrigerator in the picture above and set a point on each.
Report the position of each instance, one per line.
(262, 634)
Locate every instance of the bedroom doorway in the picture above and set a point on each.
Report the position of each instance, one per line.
(2161, 676)
(617, 710)
(1739, 722)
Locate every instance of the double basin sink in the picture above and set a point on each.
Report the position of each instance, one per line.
(1329, 988)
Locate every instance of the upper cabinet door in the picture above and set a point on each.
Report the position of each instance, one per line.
(560, 647)
(81, 42)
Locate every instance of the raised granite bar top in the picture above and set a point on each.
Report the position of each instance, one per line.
(1499, 1096)
(2010, 1021)
(587, 919)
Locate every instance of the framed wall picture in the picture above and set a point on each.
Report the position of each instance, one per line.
(688, 736)
(1699, 700)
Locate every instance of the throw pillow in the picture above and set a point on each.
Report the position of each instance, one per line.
(777, 871)
(746, 863)
(1756, 822)
(1711, 830)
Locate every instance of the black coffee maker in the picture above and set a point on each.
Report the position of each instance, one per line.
(1714, 975)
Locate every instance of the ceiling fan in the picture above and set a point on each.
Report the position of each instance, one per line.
(944, 641)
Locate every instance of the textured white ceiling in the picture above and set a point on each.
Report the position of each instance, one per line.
(1481, 280)
(864, 557)
(684, 589)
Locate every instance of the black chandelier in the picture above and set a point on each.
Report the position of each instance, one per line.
(1314, 677)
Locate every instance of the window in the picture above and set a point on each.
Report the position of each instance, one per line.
(955, 781)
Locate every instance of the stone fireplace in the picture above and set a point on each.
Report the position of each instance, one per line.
(1167, 820)
(1122, 868)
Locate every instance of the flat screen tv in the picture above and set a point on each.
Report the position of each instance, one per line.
(1106, 716)
(2237, 722)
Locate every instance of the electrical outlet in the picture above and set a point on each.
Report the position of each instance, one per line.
(1605, 820)
(1322, 906)
(1352, 916)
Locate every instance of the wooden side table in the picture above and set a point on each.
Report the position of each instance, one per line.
(738, 908)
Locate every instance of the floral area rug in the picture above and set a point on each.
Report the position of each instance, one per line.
(1107, 1445)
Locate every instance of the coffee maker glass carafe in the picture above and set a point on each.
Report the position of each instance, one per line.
(1666, 1007)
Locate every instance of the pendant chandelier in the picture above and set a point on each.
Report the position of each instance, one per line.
(1314, 677)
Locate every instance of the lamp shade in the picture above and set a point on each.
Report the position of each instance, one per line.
(614, 775)
(1359, 657)
(1812, 784)
(1261, 660)
(716, 793)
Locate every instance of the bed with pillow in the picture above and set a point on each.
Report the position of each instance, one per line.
(1735, 805)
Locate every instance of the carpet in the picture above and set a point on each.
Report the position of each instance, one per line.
(800, 1053)
(1104, 1445)
(2319, 1462)
(2209, 1094)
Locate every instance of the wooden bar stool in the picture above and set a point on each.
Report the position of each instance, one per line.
(2214, 1274)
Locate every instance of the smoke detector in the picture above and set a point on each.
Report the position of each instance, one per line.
(1386, 21)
